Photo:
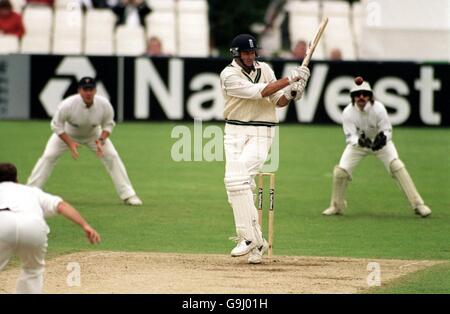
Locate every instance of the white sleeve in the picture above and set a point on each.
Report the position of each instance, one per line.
(59, 119)
(351, 134)
(384, 124)
(48, 202)
(236, 86)
(108, 118)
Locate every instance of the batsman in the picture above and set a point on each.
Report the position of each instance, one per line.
(251, 93)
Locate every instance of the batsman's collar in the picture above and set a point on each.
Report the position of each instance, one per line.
(256, 65)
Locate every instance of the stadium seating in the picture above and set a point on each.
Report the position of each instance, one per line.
(390, 34)
(130, 40)
(38, 21)
(183, 28)
(9, 44)
(303, 22)
(339, 33)
(161, 23)
(357, 24)
(68, 32)
(99, 32)
(193, 28)
(66, 4)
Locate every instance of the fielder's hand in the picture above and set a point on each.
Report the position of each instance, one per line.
(379, 141)
(100, 151)
(91, 234)
(300, 73)
(363, 141)
(73, 150)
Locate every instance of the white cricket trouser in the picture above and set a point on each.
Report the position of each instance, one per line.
(353, 155)
(26, 237)
(248, 145)
(111, 160)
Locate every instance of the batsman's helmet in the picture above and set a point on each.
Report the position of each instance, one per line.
(243, 42)
(364, 87)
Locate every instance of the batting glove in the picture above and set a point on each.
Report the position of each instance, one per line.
(299, 89)
(300, 73)
(288, 93)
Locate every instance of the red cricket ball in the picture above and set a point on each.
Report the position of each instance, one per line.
(359, 80)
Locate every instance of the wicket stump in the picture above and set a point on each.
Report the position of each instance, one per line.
(271, 204)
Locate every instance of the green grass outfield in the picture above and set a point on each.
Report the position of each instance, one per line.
(185, 207)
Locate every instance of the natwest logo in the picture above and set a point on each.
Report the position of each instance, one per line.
(55, 89)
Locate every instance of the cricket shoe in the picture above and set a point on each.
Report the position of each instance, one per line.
(332, 211)
(423, 210)
(257, 253)
(243, 248)
(133, 201)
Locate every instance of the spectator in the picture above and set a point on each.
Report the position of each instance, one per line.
(18, 5)
(299, 51)
(131, 12)
(96, 4)
(274, 34)
(154, 47)
(335, 54)
(10, 22)
(41, 2)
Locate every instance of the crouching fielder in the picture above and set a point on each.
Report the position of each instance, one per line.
(368, 131)
(23, 230)
(88, 119)
(251, 93)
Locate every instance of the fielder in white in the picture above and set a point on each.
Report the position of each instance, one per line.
(368, 131)
(23, 230)
(251, 93)
(88, 119)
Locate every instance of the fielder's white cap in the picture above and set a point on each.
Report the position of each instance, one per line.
(365, 86)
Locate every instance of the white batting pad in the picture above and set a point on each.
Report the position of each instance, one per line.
(237, 182)
(340, 183)
(405, 182)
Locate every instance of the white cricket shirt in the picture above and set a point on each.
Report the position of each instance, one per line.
(372, 120)
(28, 200)
(77, 120)
(242, 95)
